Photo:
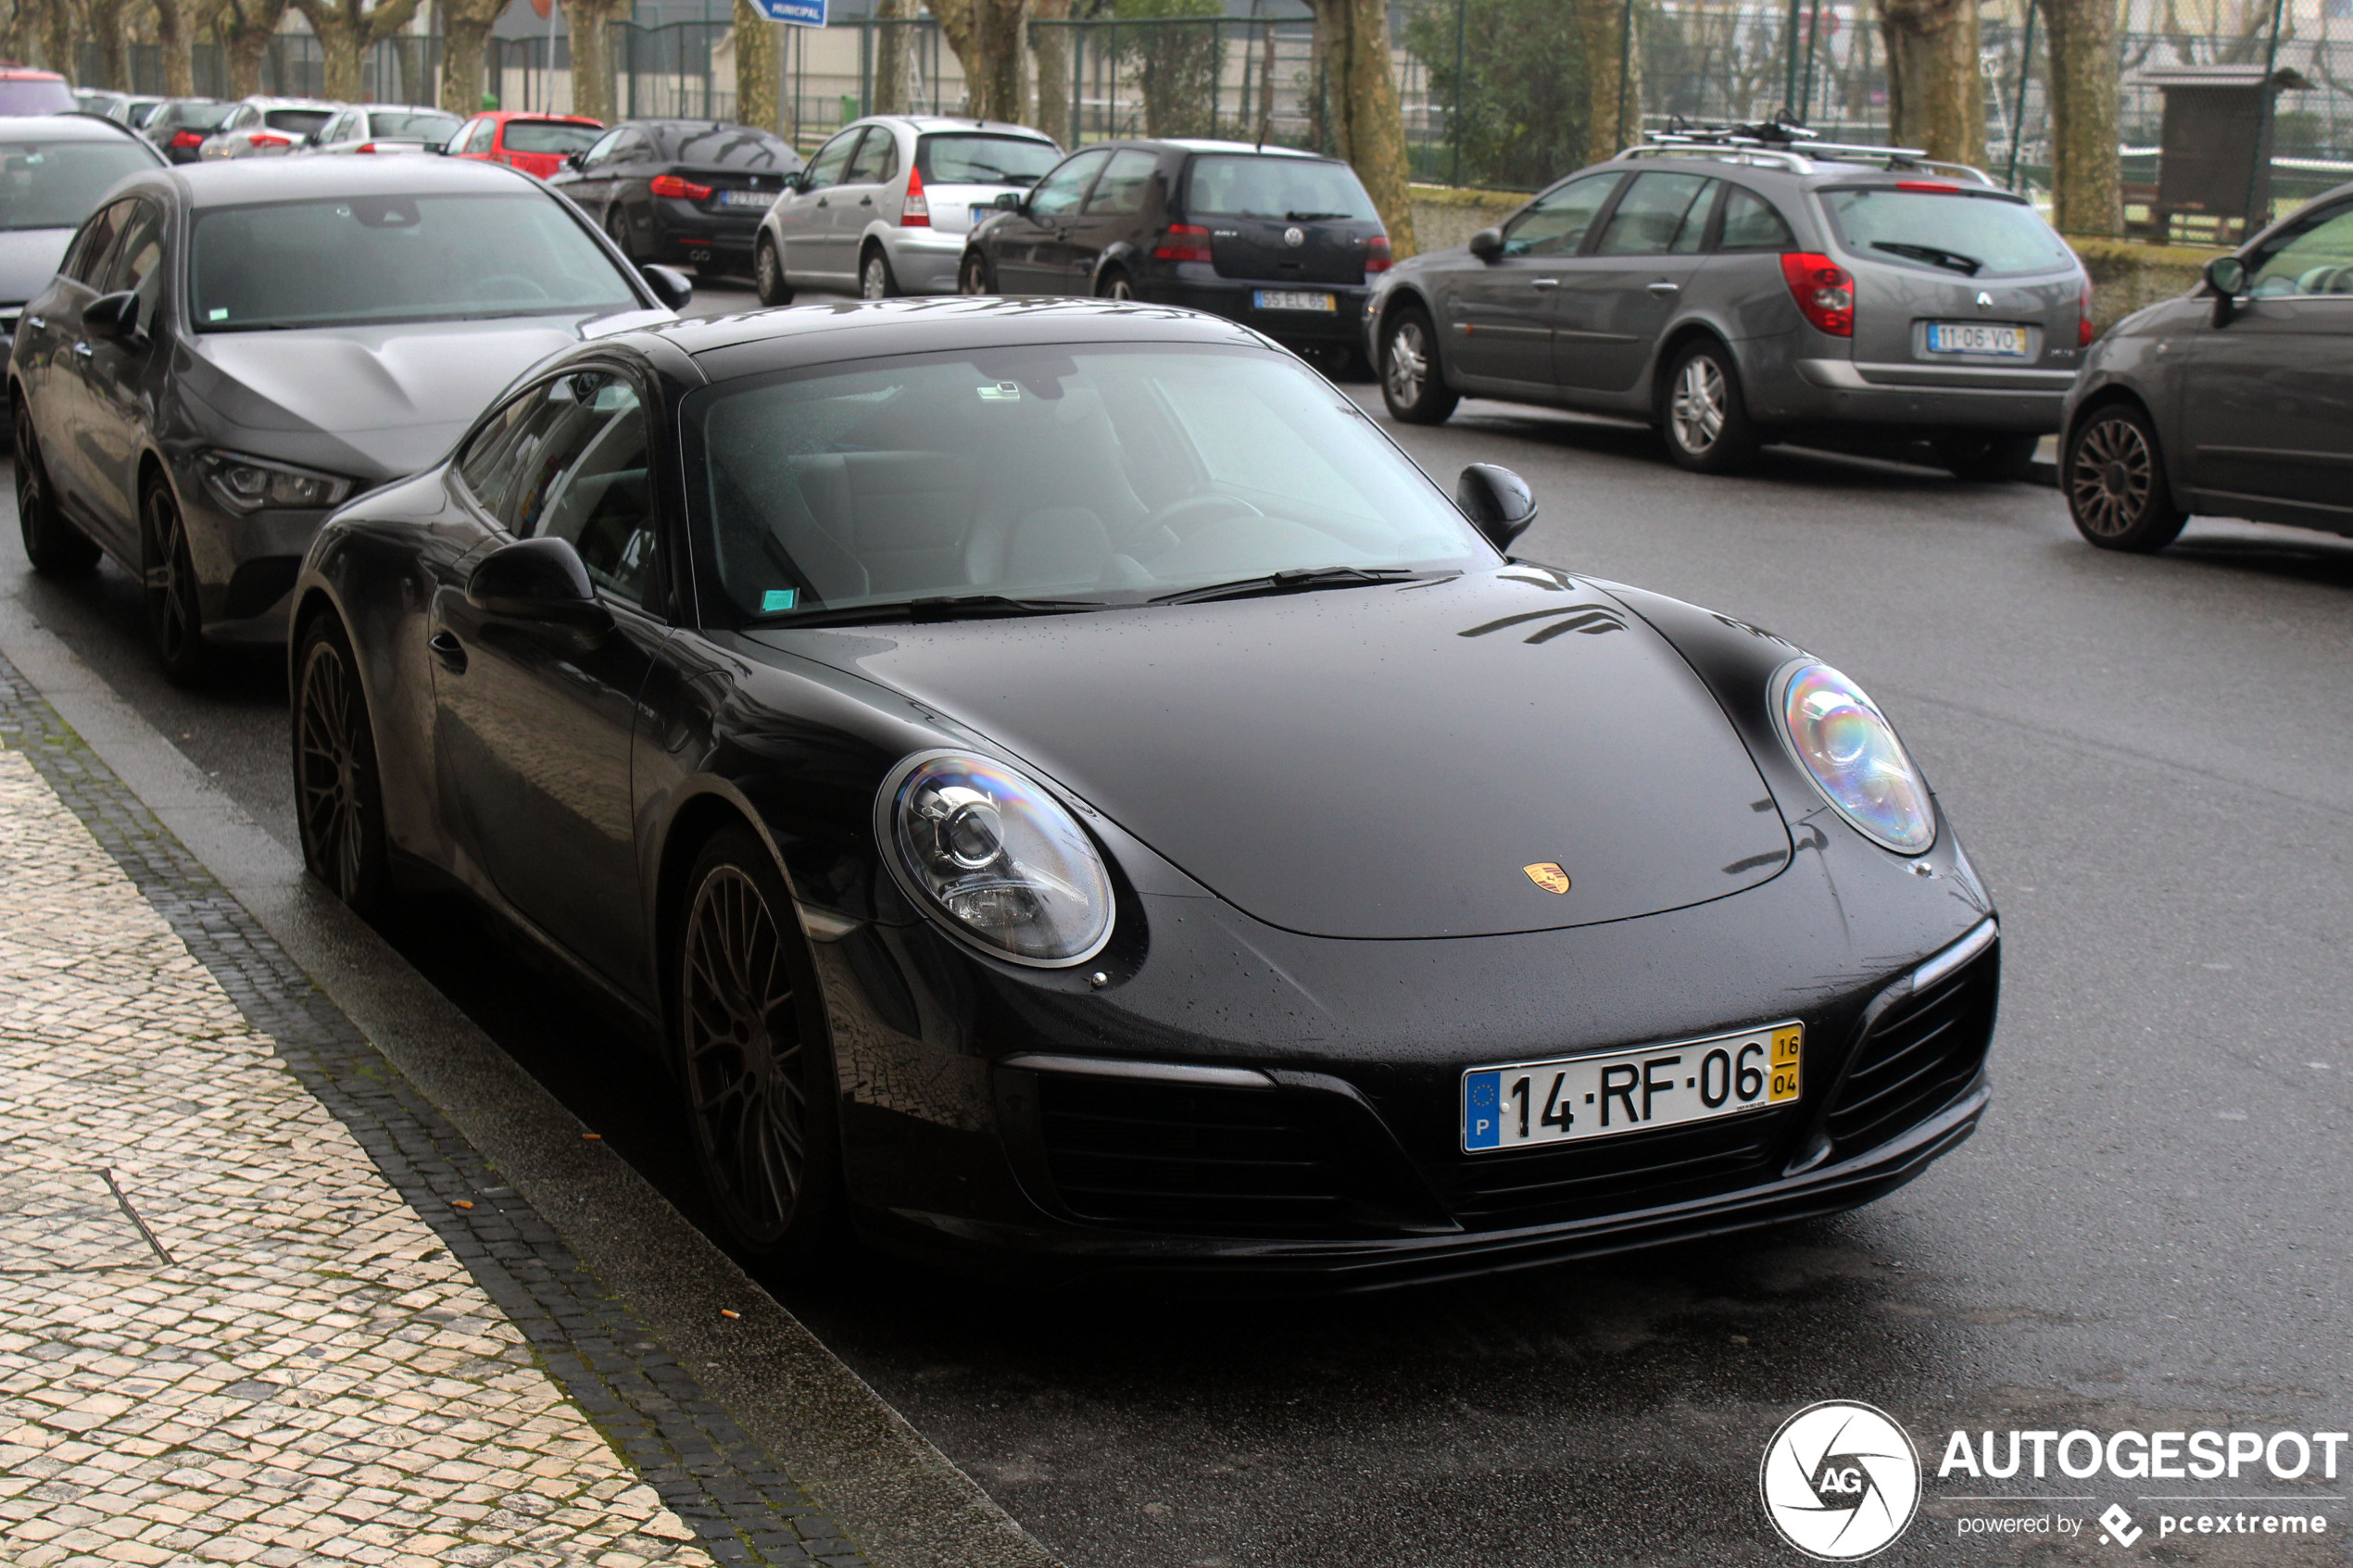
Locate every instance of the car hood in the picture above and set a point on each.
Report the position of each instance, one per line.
(1377, 762)
(29, 260)
(389, 399)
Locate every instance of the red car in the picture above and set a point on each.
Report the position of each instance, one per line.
(534, 142)
(26, 91)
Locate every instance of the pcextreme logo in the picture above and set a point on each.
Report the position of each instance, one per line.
(1840, 1481)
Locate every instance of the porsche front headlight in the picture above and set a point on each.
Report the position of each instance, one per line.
(1851, 750)
(996, 857)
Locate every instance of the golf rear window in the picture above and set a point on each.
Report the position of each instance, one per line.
(1294, 190)
(1954, 231)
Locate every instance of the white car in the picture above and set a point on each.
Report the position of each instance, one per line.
(383, 128)
(883, 206)
(263, 127)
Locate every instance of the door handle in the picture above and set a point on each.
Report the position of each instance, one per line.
(84, 350)
(866, 201)
(449, 650)
(820, 201)
(1544, 282)
(1663, 289)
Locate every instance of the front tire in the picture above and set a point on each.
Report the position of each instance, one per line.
(874, 280)
(56, 547)
(2114, 477)
(175, 606)
(768, 274)
(1703, 413)
(1988, 459)
(338, 791)
(1411, 382)
(753, 1057)
(971, 276)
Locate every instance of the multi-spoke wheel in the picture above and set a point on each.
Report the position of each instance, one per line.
(1410, 382)
(768, 274)
(338, 795)
(1703, 413)
(752, 1053)
(2115, 483)
(874, 280)
(55, 547)
(617, 228)
(1115, 284)
(973, 276)
(175, 612)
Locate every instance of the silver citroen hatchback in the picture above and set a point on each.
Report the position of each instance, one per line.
(1736, 287)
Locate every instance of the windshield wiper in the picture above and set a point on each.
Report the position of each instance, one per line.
(1292, 583)
(1310, 217)
(1936, 255)
(958, 607)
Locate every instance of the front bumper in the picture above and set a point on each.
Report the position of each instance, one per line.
(245, 562)
(1196, 287)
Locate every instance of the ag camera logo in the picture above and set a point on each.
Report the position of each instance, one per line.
(1840, 1481)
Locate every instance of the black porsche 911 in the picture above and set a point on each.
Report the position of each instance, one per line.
(1061, 787)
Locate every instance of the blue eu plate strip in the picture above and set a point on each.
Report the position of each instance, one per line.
(1483, 1110)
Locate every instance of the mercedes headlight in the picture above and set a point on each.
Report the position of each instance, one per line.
(247, 484)
(1856, 762)
(996, 857)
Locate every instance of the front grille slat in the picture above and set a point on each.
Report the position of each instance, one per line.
(1609, 1175)
(1180, 1157)
(1921, 1054)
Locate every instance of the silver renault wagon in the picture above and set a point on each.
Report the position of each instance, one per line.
(1739, 286)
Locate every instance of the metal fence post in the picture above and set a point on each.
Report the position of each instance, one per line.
(1454, 111)
(2018, 115)
(1624, 71)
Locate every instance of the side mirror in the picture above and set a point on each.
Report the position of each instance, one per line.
(1008, 201)
(2226, 275)
(115, 315)
(1497, 501)
(1487, 245)
(537, 580)
(669, 284)
(575, 162)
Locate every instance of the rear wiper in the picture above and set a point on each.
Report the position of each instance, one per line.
(958, 607)
(1310, 217)
(1933, 255)
(1292, 583)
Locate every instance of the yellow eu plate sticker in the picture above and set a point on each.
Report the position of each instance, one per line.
(1785, 1063)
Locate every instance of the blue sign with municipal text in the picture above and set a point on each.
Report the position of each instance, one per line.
(799, 13)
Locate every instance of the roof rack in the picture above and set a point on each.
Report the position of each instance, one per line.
(1775, 143)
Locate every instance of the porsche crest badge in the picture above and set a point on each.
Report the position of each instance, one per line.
(1547, 875)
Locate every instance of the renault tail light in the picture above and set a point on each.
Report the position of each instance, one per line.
(1824, 291)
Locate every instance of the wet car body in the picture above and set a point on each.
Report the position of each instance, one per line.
(681, 190)
(1261, 1071)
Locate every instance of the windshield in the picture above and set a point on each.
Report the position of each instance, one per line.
(1110, 474)
(1939, 231)
(1291, 189)
(418, 127)
(549, 136)
(353, 261)
(35, 96)
(55, 184)
(983, 161)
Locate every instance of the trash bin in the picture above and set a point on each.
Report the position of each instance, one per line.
(2215, 156)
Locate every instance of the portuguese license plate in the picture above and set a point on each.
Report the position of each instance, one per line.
(983, 212)
(1295, 300)
(1631, 1091)
(1975, 337)
(747, 198)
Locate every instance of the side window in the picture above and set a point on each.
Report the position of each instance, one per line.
(1750, 223)
(488, 463)
(1126, 183)
(1651, 214)
(134, 265)
(831, 158)
(1060, 192)
(877, 158)
(485, 132)
(91, 246)
(1693, 233)
(1556, 224)
(2316, 257)
(599, 153)
(600, 500)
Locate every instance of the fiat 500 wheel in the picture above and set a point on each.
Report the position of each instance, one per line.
(2115, 483)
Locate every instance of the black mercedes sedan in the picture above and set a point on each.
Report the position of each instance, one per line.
(231, 349)
(1059, 788)
(681, 190)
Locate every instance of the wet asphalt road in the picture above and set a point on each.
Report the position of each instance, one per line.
(2152, 762)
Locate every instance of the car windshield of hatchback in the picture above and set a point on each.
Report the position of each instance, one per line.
(421, 127)
(1291, 190)
(1090, 475)
(300, 123)
(200, 117)
(359, 259)
(963, 160)
(34, 95)
(55, 184)
(549, 136)
(1987, 236)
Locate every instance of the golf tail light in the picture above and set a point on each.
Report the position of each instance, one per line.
(916, 212)
(1183, 242)
(1849, 748)
(1824, 291)
(2084, 324)
(1376, 255)
(682, 190)
(997, 858)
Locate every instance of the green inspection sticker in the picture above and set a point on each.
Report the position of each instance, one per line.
(218, 313)
(778, 599)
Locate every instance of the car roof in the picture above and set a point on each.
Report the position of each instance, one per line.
(265, 101)
(926, 123)
(402, 109)
(243, 182)
(868, 328)
(540, 114)
(76, 127)
(26, 73)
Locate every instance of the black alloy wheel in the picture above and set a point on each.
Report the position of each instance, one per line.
(1115, 284)
(2114, 477)
(617, 226)
(973, 276)
(56, 547)
(875, 281)
(1411, 382)
(339, 793)
(175, 610)
(1987, 459)
(1703, 413)
(752, 1053)
(768, 274)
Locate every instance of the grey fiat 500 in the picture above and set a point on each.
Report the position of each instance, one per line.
(1740, 287)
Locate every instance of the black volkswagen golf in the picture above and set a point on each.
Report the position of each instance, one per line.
(1279, 239)
(1057, 784)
